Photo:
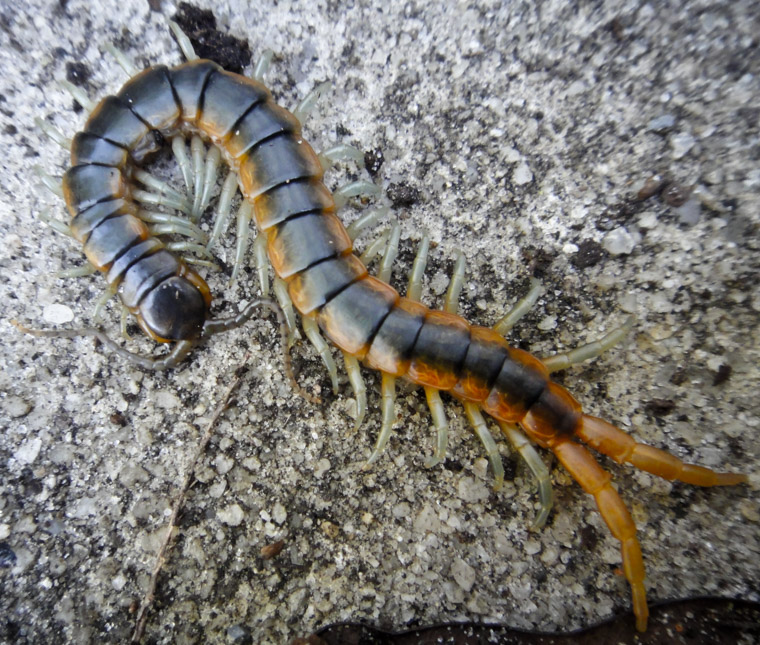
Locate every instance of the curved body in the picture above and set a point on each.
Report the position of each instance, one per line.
(311, 251)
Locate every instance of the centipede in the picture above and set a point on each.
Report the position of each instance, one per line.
(318, 273)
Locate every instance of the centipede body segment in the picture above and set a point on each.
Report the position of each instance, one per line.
(281, 178)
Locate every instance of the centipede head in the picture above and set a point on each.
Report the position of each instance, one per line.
(175, 310)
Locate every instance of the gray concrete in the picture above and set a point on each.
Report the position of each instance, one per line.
(523, 128)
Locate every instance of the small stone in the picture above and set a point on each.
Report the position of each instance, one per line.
(329, 529)
(463, 574)
(662, 124)
(618, 242)
(16, 407)
(522, 174)
(279, 514)
(57, 314)
(28, 451)
(232, 515)
(681, 143)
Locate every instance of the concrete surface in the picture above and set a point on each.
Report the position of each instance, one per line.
(525, 127)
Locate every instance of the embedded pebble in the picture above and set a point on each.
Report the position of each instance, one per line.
(681, 143)
(463, 574)
(28, 451)
(16, 407)
(279, 514)
(618, 242)
(57, 314)
(662, 124)
(689, 212)
(231, 515)
(522, 174)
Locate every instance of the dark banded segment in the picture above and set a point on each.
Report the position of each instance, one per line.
(83, 224)
(391, 348)
(440, 350)
(85, 186)
(188, 81)
(114, 120)
(262, 121)
(151, 97)
(485, 357)
(145, 274)
(287, 200)
(129, 257)
(521, 381)
(112, 238)
(352, 318)
(303, 241)
(87, 148)
(554, 414)
(313, 287)
(279, 160)
(226, 98)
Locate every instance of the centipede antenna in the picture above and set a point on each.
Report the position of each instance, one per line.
(357, 385)
(179, 148)
(51, 183)
(311, 330)
(521, 308)
(530, 456)
(262, 65)
(354, 189)
(340, 152)
(391, 251)
(245, 212)
(223, 207)
(122, 60)
(219, 325)
(441, 423)
(363, 222)
(53, 133)
(185, 46)
(478, 424)
(197, 152)
(78, 94)
(456, 283)
(414, 290)
(586, 352)
(262, 262)
(309, 101)
(388, 405)
(178, 353)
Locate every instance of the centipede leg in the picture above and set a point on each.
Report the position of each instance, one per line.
(223, 207)
(520, 308)
(375, 247)
(340, 152)
(262, 263)
(280, 289)
(197, 154)
(414, 290)
(388, 405)
(357, 384)
(312, 333)
(121, 58)
(354, 189)
(309, 101)
(391, 251)
(441, 424)
(261, 67)
(179, 148)
(365, 221)
(586, 352)
(451, 304)
(183, 41)
(613, 442)
(244, 215)
(478, 424)
(595, 481)
(530, 456)
(53, 133)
